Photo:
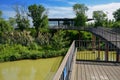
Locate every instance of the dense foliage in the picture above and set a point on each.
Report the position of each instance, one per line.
(22, 42)
(81, 18)
(18, 40)
(5, 26)
(39, 16)
(117, 15)
(21, 18)
(18, 52)
(17, 45)
(99, 17)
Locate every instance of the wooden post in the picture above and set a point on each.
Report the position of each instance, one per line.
(79, 38)
(98, 58)
(93, 43)
(118, 56)
(106, 51)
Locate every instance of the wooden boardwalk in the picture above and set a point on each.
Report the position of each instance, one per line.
(97, 71)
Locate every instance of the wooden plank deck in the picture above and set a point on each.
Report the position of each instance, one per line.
(97, 71)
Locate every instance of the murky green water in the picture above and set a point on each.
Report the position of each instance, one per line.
(42, 69)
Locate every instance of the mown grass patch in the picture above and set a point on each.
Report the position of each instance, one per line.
(93, 55)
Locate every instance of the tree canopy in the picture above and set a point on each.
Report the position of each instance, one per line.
(81, 18)
(80, 8)
(116, 15)
(4, 25)
(0, 14)
(39, 16)
(99, 17)
(21, 17)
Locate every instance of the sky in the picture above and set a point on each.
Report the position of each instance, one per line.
(61, 8)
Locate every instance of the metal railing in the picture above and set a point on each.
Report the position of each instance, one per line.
(106, 50)
(86, 50)
(65, 27)
(97, 51)
(65, 70)
(107, 35)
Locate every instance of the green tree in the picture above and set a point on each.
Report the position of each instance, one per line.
(99, 17)
(39, 16)
(59, 40)
(0, 14)
(17, 37)
(116, 15)
(81, 18)
(80, 10)
(4, 25)
(12, 21)
(21, 18)
(116, 24)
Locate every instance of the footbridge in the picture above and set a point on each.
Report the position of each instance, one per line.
(95, 59)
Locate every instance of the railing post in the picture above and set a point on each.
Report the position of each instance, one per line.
(118, 55)
(98, 58)
(106, 51)
(93, 42)
(58, 23)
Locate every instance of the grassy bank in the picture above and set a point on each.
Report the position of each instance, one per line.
(19, 52)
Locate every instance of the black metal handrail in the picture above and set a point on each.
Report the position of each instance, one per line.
(107, 35)
(68, 27)
(107, 52)
(99, 50)
(110, 39)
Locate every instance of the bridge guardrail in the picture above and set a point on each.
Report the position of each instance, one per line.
(106, 34)
(65, 70)
(98, 50)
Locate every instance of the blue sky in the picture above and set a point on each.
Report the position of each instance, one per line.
(56, 2)
(61, 8)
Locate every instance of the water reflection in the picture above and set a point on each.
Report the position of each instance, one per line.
(13, 73)
(10, 73)
(42, 69)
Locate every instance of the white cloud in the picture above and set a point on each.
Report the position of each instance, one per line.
(67, 12)
(61, 12)
(107, 8)
(7, 14)
(71, 3)
(65, 1)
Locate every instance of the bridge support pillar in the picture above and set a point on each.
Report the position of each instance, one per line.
(106, 51)
(98, 58)
(118, 56)
(58, 23)
(93, 43)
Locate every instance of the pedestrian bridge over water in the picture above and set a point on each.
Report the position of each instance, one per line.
(96, 59)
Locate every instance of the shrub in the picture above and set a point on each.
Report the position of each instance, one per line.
(33, 46)
(17, 37)
(116, 24)
(43, 39)
(59, 40)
